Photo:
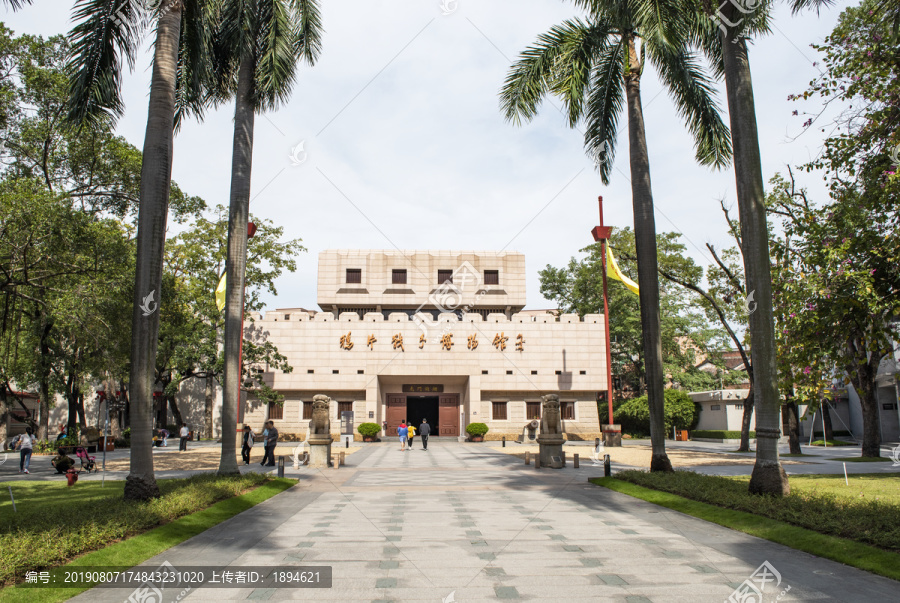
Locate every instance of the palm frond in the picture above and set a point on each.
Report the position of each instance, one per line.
(571, 75)
(536, 72)
(16, 4)
(604, 107)
(274, 53)
(799, 5)
(311, 31)
(195, 59)
(105, 31)
(694, 97)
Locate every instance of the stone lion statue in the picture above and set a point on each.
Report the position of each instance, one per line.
(550, 418)
(320, 424)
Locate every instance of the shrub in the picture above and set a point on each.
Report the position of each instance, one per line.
(369, 429)
(680, 412)
(719, 434)
(476, 429)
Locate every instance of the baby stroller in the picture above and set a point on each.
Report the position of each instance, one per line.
(88, 463)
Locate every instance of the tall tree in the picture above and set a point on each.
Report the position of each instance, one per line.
(725, 38)
(257, 46)
(106, 30)
(595, 66)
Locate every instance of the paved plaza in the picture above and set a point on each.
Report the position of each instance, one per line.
(469, 523)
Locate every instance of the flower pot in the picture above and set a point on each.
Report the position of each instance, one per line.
(369, 439)
(476, 438)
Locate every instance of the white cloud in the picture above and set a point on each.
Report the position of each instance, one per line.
(414, 138)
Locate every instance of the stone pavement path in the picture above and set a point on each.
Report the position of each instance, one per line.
(467, 523)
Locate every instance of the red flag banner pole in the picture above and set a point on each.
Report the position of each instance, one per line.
(601, 234)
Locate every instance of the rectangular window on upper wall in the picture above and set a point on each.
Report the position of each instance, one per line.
(354, 275)
(276, 411)
(491, 277)
(307, 411)
(498, 411)
(715, 407)
(532, 410)
(567, 410)
(343, 407)
(445, 276)
(398, 277)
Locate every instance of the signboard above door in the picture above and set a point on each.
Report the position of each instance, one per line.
(415, 389)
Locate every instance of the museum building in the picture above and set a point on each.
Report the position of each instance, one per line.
(440, 335)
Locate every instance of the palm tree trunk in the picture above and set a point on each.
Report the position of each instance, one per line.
(156, 174)
(645, 249)
(768, 475)
(238, 215)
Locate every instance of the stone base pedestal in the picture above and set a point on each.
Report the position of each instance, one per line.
(612, 435)
(550, 446)
(319, 451)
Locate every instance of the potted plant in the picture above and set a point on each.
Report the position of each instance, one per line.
(476, 431)
(368, 431)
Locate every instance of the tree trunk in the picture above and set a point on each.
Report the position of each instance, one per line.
(863, 380)
(156, 174)
(80, 409)
(176, 412)
(791, 416)
(645, 250)
(43, 423)
(745, 421)
(208, 407)
(826, 419)
(768, 475)
(238, 216)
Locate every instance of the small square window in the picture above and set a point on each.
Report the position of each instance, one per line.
(445, 276)
(484, 372)
(398, 277)
(276, 411)
(287, 316)
(360, 372)
(715, 407)
(567, 410)
(491, 277)
(310, 371)
(354, 275)
(582, 372)
(509, 372)
(335, 371)
(498, 411)
(532, 410)
(559, 372)
(534, 372)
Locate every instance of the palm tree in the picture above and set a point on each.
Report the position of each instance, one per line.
(725, 37)
(16, 4)
(105, 31)
(591, 65)
(257, 47)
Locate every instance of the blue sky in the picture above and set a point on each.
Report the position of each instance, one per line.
(404, 145)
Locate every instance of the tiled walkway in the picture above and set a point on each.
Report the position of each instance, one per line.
(467, 523)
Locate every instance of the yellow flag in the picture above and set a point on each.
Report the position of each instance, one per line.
(616, 273)
(220, 293)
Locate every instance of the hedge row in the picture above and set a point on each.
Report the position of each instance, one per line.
(719, 434)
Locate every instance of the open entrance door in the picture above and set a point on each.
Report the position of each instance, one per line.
(448, 410)
(395, 413)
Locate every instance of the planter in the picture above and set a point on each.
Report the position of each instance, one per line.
(370, 439)
(476, 438)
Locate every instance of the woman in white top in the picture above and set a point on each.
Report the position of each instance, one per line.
(26, 446)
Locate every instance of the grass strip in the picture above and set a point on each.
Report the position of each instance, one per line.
(863, 459)
(842, 550)
(141, 547)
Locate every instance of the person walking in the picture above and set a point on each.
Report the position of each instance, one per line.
(26, 447)
(424, 431)
(402, 432)
(412, 433)
(247, 444)
(271, 443)
(184, 434)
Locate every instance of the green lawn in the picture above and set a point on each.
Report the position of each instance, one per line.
(54, 523)
(834, 443)
(842, 550)
(863, 459)
(866, 511)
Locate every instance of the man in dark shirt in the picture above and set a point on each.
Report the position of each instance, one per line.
(271, 442)
(424, 430)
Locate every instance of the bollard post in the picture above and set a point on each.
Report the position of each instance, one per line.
(527, 458)
(347, 443)
(342, 458)
(607, 469)
(537, 461)
(575, 461)
(504, 441)
(563, 458)
(281, 466)
(596, 443)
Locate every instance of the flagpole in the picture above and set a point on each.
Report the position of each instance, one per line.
(602, 233)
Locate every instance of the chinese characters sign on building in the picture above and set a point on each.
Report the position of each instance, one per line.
(430, 389)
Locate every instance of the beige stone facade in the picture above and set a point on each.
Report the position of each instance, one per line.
(441, 352)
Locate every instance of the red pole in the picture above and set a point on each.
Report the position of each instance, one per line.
(251, 230)
(602, 233)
